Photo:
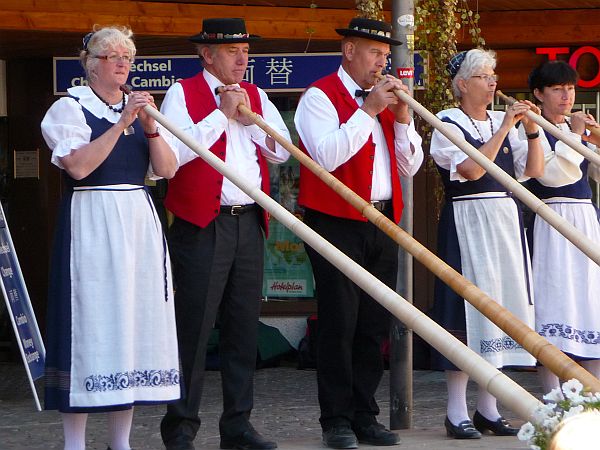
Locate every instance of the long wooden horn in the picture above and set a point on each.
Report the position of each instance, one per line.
(556, 132)
(501, 386)
(576, 237)
(549, 355)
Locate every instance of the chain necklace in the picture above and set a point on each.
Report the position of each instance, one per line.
(112, 108)
(556, 125)
(475, 125)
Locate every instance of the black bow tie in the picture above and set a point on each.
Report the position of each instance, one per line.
(361, 93)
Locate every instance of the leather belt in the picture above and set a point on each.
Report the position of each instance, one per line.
(381, 205)
(238, 210)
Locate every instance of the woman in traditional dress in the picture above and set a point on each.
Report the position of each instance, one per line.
(111, 339)
(566, 281)
(480, 234)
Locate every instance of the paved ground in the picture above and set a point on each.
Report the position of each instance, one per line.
(286, 410)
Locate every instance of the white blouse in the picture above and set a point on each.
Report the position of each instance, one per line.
(449, 156)
(562, 164)
(65, 129)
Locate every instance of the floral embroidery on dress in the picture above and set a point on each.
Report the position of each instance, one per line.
(568, 332)
(498, 345)
(128, 380)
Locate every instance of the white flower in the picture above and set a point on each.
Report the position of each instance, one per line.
(563, 403)
(550, 423)
(573, 411)
(572, 389)
(555, 395)
(542, 412)
(526, 432)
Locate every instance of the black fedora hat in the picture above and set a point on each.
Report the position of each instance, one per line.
(375, 30)
(223, 31)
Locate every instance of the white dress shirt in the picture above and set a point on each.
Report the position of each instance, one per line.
(331, 144)
(241, 140)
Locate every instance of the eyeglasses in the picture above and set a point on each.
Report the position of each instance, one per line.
(487, 78)
(115, 58)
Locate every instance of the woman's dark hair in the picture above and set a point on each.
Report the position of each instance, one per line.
(551, 73)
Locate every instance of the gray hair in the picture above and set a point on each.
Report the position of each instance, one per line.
(102, 40)
(475, 60)
(199, 47)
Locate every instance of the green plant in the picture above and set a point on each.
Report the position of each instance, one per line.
(370, 9)
(437, 24)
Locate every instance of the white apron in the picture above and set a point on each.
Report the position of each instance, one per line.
(492, 257)
(124, 346)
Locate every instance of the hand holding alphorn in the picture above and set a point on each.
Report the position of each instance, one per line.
(556, 132)
(510, 100)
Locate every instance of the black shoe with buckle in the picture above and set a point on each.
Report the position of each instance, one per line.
(500, 427)
(464, 430)
(376, 434)
(249, 439)
(340, 436)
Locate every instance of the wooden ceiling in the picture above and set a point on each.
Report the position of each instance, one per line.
(43, 28)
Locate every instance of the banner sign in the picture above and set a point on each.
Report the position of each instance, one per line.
(279, 72)
(287, 272)
(19, 308)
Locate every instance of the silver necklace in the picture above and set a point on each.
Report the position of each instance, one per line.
(475, 125)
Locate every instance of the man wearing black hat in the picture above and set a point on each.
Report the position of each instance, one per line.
(353, 124)
(216, 241)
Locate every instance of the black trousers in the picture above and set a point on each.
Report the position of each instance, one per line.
(351, 325)
(216, 269)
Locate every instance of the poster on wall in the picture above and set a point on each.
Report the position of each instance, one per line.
(288, 272)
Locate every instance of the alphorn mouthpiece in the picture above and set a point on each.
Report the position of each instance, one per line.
(505, 98)
(126, 88)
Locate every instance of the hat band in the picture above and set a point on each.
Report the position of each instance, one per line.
(386, 34)
(225, 36)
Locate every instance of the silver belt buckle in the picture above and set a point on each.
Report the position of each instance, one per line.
(235, 210)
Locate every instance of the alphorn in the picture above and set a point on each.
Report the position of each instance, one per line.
(549, 355)
(564, 227)
(556, 132)
(498, 384)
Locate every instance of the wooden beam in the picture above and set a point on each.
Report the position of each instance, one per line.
(169, 19)
(520, 29)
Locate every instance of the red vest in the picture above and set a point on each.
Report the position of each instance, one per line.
(357, 172)
(194, 192)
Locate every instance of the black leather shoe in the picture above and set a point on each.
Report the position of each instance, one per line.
(464, 430)
(376, 434)
(500, 427)
(340, 436)
(249, 439)
(180, 443)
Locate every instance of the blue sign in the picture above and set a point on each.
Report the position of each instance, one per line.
(19, 308)
(273, 73)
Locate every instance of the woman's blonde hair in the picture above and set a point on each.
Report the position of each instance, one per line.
(101, 40)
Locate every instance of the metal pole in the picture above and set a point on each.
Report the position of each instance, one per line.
(401, 355)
